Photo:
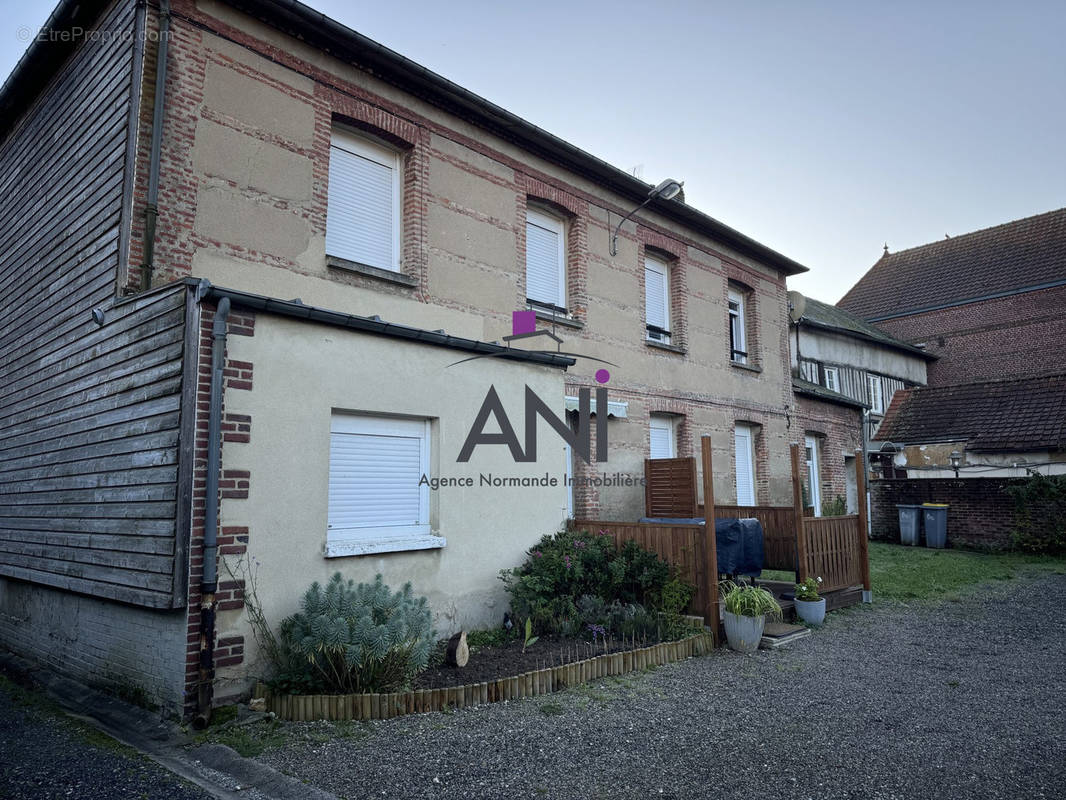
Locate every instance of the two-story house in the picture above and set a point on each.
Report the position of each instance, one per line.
(840, 360)
(254, 314)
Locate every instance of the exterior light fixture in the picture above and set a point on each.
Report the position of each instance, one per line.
(667, 190)
(956, 459)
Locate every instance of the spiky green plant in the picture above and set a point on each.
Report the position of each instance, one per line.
(362, 638)
(746, 600)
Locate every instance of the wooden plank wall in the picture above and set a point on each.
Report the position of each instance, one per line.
(88, 415)
(670, 487)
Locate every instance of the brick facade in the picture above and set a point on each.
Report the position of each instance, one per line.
(1014, 336)
(981, 514)
(209, 51)
(838, 430)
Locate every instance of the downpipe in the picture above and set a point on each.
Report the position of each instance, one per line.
(209, 581)
(151, 207)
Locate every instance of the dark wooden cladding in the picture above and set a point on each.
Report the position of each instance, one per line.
(89, 415)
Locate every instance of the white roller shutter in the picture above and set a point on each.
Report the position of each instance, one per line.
(362, 218)
(745, 466)
(662, 437)
(656, 294)
(374, 469)
(545, 262)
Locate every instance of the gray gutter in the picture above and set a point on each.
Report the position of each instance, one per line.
(377, 326)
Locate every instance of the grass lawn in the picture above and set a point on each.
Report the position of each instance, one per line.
(915, 573)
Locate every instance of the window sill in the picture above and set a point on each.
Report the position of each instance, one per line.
(363, 547)
(546, 316)
(670, 348)
(385, 275)
(748, 367)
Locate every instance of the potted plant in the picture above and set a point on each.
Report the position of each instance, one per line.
(810, 606)
(746, 609)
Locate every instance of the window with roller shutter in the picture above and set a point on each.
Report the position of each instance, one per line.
(363, 212)
(657, 299)
(545, 260)
(375, 501)
(662, 437)
(744, 441)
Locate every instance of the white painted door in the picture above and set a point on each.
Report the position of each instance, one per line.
(813, 487)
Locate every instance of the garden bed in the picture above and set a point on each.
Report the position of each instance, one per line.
(491, 662)
(533, 682)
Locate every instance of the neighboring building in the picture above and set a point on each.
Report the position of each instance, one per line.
(991, 304)
(839, 358)
(1001, 428)
(289, 157)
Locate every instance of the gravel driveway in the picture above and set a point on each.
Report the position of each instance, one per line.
(45, 754)
(961, 699)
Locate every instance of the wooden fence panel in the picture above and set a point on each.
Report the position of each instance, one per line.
(684, 546)
(834, 551)
(779, 532)
(670, 487)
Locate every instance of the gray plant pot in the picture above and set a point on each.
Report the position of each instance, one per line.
(743, 633)
(811, 611)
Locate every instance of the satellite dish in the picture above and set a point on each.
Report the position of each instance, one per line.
(797, 304)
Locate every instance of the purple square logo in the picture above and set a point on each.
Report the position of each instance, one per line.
(523, 322)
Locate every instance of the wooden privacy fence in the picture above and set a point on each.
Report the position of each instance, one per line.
(684, 546)
(833, 551)
(779, 532)
(670, 487)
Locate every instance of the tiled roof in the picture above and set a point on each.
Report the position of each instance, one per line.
(1026, 252)
(1005, 415)
(827, 316)
(800, 386)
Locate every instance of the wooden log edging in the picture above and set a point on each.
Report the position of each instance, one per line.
(310, 707)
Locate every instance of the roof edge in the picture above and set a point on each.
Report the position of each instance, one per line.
(377, 326)
(808, 389)
(896, 344)
(321, 31)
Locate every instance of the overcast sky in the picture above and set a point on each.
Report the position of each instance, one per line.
(822, 129)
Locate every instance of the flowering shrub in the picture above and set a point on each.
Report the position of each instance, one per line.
(808, 589)
(578, 568)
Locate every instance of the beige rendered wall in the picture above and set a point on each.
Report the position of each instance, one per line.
(246, 163)
(304, 371)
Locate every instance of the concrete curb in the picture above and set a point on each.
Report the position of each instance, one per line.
(215, 768)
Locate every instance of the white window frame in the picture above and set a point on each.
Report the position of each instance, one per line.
(832, 379)
(354, 144)
(554, 224)
(663, 422)
(744, 436)
(877, 394)
(660, 267)
(814, 480)
(738, 334)
(361, 540)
